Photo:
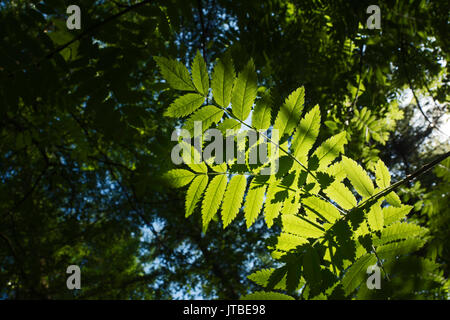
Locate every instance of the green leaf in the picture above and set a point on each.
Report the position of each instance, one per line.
(253, 202)
(294, 268)
(337, 171)
(228, 124)
(195, 192)
(290, 112)
(306, 134)
(244, 92)
(222, 168)
(358, 177)
(291, 205)
(311, 266)
(398, 231)
(393, 199)
(287, 241)
(207, 115)
(300, 227)
(222, 82)
(261, 115)
(261, 277)
(273, 203)
(175, 73)
(321, 208)
(375, 217)
(233, 199)
(193, 159)
(357, 273)
(393, 214)
(341, 195)
(213, 198)
(394, 249)
(330, 150)
(383, 177)
(262, 295)
(178, 178)
(184, 105)
(200, 76)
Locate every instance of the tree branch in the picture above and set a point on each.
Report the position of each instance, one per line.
(85, 33)
(413, 175)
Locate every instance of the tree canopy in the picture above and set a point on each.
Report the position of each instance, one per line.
(87, 177)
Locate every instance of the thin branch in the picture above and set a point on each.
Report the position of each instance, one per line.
(360, 76)
(85, 33)
(413, 175)
(410, 84)
(380, 263)
(202, 24)
(342, 211)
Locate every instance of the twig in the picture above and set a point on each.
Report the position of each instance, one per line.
(290, 155)
(381, 264)
(413, 175)
(408, 78)
(202, 24)
(360, 76)
(85, 33)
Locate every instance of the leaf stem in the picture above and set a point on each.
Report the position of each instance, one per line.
(342, 211)
(413, 175)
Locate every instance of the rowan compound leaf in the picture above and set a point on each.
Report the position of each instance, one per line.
(195, 192)
(287, 241)
(337, 171)
(357, 273)
(253, 202)
(290, 112)
(175, 73)
(293, 275)
(184, 105)
(261, 115)
(178, 178)
(311, 266)
(394, 249)
(228, 124)
(291, 205)
(261, 277)
(207, 115)
(200, 76)
(244, 92)
(223, 78)
(329, 150)
(375, 217)
(277, 278)
(321, 208)
(298, 226)
(358, 177)
(222, 168)
(383, 177)
(394, 214)
(393, 199)
(213, 198)
(399, 231)
(274, 201)
(306, 134)
(341, 195)
(233, 199)
(193, 159)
